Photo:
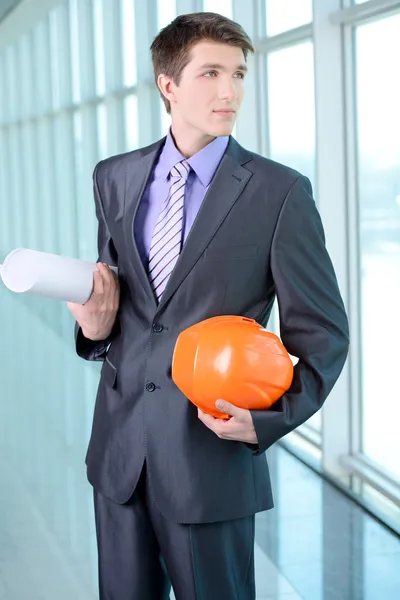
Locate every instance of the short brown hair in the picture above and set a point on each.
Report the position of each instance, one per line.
(170, 50)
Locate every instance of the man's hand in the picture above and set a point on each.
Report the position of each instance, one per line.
(97, 316)
(239, 427)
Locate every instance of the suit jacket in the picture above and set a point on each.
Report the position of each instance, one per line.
(257, 236)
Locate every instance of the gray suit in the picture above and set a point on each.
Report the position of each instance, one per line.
(258, 235)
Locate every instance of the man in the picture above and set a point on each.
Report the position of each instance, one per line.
(198, 227)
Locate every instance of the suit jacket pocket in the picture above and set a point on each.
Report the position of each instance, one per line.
(231, 251)
(109, 373)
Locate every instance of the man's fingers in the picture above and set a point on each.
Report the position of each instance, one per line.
(230, 409)
(235, 429)
(98, 282)
(106, 276)
(208, 420)
(219, 426)
(110, 279)
(111, 285)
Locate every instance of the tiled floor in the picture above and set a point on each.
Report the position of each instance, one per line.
(326, 546)
(271, 584)
(314, 545)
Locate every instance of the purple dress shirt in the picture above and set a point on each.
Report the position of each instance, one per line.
(203, 167)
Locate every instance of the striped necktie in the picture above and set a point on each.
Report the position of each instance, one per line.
(167, 237)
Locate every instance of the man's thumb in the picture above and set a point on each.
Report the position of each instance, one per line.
(226, 407)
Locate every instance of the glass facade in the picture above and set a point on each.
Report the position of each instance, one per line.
(223, 7)
(378, 151)
(291, 117)
(283, 15)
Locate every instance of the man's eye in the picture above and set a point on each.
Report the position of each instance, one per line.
(240, 75)
(210, 73)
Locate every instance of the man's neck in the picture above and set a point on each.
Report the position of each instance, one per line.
(189, 141)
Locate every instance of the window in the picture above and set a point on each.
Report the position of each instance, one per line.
(291, 107)
(166, 12)
(102, 130)
(131, 122)
(292, 117)
(128, 36)
(283, 15)
(378, 134)
(223, 7)
(99, 46)
(75, 50)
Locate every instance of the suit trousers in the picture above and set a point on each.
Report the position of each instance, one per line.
(141, 553)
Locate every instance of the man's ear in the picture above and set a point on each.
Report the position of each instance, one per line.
(166, 85)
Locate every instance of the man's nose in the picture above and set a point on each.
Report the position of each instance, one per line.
(227, 89)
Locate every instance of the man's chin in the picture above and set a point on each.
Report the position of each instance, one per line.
(221, 130)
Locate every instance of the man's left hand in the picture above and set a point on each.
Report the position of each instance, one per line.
(239, 427)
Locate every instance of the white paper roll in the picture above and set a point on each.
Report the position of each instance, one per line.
(48, 275)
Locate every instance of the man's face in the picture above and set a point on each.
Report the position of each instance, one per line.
(210, 89)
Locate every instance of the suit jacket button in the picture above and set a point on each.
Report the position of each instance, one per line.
(157, 327)
(150, 387)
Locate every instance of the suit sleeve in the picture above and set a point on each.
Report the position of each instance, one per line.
(88, 349)
(313, 321)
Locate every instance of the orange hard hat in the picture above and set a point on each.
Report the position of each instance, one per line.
(232, 358)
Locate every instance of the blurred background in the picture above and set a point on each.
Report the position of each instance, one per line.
(322, 96)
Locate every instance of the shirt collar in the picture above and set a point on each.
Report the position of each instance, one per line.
(204, 163)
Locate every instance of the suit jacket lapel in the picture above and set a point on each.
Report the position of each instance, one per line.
(228, 183)
(136, 178)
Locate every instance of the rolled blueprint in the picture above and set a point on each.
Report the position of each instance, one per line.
(48, 275)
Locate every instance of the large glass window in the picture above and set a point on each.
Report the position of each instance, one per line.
(292, 117)
(131, 123)
(378, 127)
(291, 107)
(102, 130)
(75, 49)
(128, 35)
(99, 47)
(283, 15)
(166, 12)
(223, 7)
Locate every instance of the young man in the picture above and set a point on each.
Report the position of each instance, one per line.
(198, 226)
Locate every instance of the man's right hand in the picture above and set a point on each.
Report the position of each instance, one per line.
(98, 315)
